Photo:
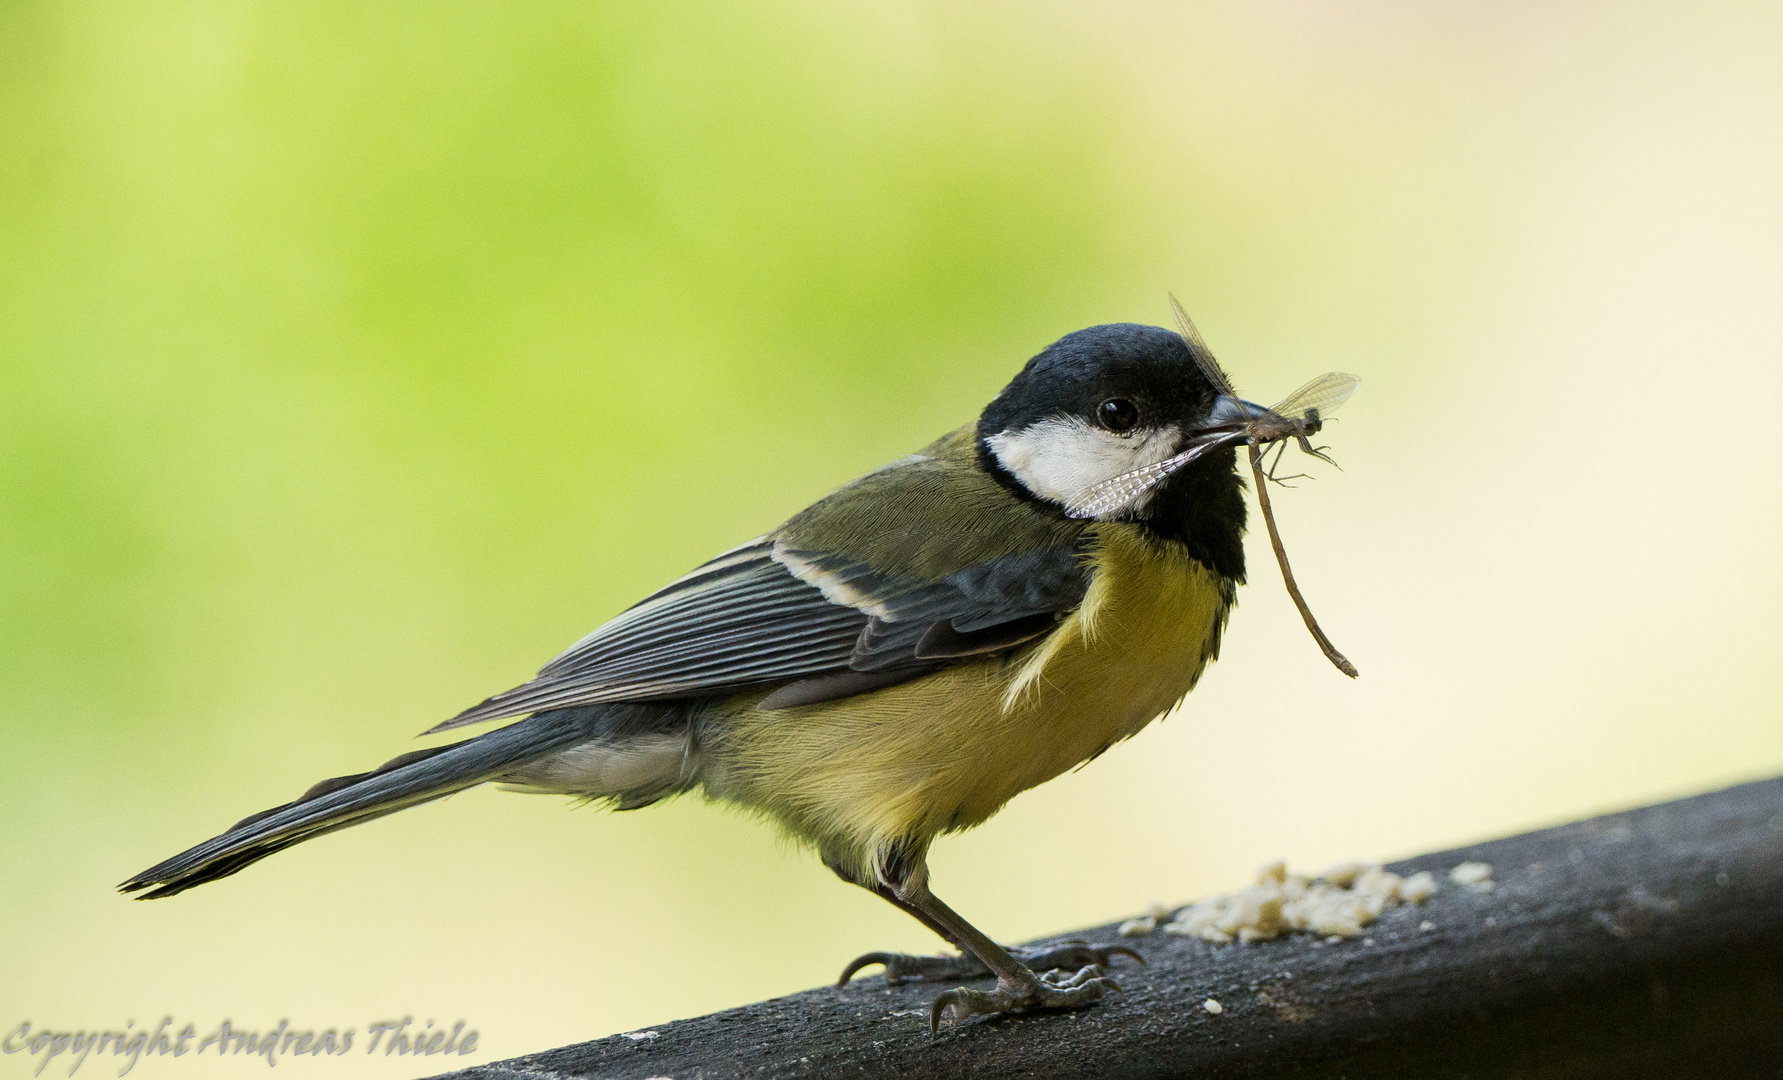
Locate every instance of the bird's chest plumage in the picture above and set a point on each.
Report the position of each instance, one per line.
(946, 751)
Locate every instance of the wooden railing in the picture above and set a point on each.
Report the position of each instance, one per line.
(1640, 944)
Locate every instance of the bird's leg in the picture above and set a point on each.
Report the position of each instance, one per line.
(1017, 985)
(903, 880)
(901, 966)
(1068, 955)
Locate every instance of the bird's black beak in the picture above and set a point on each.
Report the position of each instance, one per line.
(1229, 415)
(1231, 420)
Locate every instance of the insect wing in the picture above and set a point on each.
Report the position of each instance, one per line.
(1199, 350)
(1118, 491)
(1319, 397)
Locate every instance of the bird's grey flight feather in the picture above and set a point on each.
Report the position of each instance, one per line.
(775, 612)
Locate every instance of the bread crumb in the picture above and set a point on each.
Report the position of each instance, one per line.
(1418, 888)
(1213, 1006)
(1343, 873)
(1336, 905)
(1471, 873)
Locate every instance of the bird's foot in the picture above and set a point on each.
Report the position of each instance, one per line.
(1070, 956)
(1073, 956)
(1054, 990)
(901, 966)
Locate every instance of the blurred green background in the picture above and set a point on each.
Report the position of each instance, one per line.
(356, 359)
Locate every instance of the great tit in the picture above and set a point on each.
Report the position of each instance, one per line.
(896, 661)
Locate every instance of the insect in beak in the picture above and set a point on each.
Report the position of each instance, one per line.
(1234, 420)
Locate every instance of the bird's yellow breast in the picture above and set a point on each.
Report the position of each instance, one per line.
(946, 751)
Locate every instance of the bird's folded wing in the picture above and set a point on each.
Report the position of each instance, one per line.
(906, 588)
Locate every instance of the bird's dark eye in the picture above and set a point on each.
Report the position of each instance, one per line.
(1117, 414)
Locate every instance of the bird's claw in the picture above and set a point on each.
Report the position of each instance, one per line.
(1072, 955)
(1052, 991)
(901, 966)
(1069, 956)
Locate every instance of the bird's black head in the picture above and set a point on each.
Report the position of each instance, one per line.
(1104, 401)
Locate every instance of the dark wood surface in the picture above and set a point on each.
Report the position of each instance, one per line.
(1640, 944)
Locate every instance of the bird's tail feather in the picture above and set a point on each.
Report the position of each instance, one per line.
(406, 781)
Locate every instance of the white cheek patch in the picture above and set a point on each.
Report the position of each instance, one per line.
(1059, 458)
